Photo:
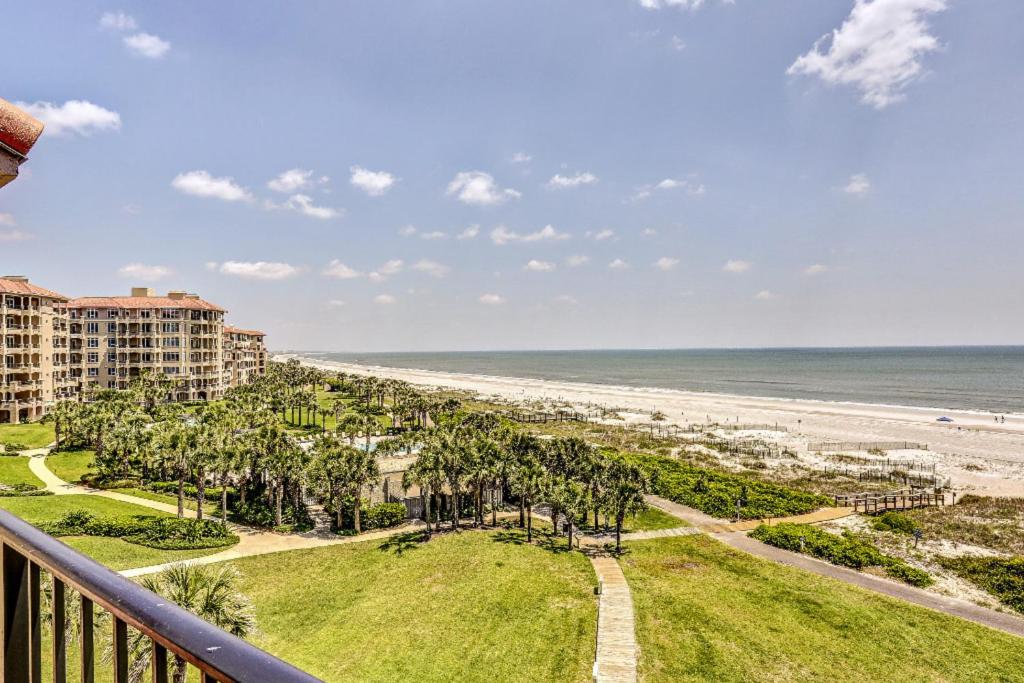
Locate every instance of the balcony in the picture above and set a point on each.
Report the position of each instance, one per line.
(27, 552)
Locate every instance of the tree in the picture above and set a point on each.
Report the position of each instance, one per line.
(361, 470)
(427, 472)
(625, 485)
(331, 472)
(527, 481)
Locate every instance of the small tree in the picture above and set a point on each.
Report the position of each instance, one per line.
(625, 486)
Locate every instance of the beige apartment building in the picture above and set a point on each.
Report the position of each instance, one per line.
(55, 348)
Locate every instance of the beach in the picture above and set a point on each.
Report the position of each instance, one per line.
(977, 454)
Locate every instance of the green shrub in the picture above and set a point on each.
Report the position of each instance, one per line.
(896, 522)
(382, 515)
(257, 512)
(715, 493)
(846, 550)
(23, 489)
(1002, 577)
(167, 533)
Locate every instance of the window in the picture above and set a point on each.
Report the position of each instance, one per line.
(111, 343)
(111, 357)
(169, 328)
(145, 313)
(94, 372)
(172, 341)
(92, 328)
(170, 371)
(112, 313)
(93, 343)
(91, 313)
(111, 384)
(111, 371)
(111, 327)
(94, 357)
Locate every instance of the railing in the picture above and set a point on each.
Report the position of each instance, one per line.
(27, 552)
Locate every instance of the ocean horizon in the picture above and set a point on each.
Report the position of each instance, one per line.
(984, 378)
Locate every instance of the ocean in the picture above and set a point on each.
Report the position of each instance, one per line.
(968, 378)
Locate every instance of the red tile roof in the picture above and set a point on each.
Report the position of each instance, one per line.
(18, 130)
(19, 287)
(142, 302)
(236, 330)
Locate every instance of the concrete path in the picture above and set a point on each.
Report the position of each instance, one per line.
(615, 661)
(959, 608)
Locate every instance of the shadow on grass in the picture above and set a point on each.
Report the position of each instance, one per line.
(541, 539)
(403, 542)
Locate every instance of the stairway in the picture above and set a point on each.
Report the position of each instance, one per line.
(321, 520)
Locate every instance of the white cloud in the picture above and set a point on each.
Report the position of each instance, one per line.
(14, 236)
(384, 299)
(576, 260)
(491, 299)
(144, 272)
(373, 183)
(304, 204)
(666, 263)
(392, 267)
(335, 303)
(815, 269)
(118, 21)
(291, 180)
(539, 266)
(736, 266)
(502, 235)
(434, 235)
(618, 264)
(566, 299)
(74, 116)
(257, 270)
(469, 233)
(677, 43)
(479, 189)
(340, 271)
(691, 186)
(764, 295)
(407, 231)
(521, 158)
(648, 232)
(7, 219)
(859, 184)
(681, 4)
(202, 184)
(878, 49)
(432, 268)
(603, 235)
(561, 182)
(147, 45)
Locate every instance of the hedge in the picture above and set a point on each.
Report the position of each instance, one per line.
(382, 515)
(18, 490)
(1002, 577)
(166, 533)
(846, 550)
(715, 493)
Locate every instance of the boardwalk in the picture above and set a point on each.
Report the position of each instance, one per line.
(615, 661)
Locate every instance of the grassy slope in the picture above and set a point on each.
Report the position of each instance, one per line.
(28, 435)
(707, 612)
(118, 554)
(14, 470)
(462, 607)
(51, 508)
(71, 465)
(212, 506)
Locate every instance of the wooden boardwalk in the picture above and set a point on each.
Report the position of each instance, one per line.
(615, 661)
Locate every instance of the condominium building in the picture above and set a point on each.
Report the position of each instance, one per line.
(34, 359)
(54, 348)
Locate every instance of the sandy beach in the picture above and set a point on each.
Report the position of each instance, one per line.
(976, 453)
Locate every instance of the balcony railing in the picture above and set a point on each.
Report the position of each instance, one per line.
(27, 551)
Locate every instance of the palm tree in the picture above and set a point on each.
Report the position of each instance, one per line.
(527, 481)
(330, 471)
(362, 470)
(623, 494)
(428, 474)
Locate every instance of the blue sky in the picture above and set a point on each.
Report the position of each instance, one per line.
(492, 175)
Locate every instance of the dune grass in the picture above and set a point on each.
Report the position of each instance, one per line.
(471, 606)
(27, 435)
(707, 612)
(14, 470)
(71, 466)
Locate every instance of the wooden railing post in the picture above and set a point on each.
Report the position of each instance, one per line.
(15, 618)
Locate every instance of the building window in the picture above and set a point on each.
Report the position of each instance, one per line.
(94, 357)
(94, 372)
(91, 313)
(111, 357)
(111, 371)
(145, 313)
(92, 343)
(111, 327)
(92, 328)
(111, 343)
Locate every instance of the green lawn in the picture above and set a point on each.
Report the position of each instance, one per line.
(28, 435)
(37, 509)
(71, 465)
(650, 519)
(472, 606)
(14, 470)
(119, 554)
(212, 506)
(325, 399)
(706, 612)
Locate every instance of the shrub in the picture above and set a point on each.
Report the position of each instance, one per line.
(1002, 577)
(257, 512)
(29, 491)
(896, 522)
(846, 550)
(156, 532)
(382, 515)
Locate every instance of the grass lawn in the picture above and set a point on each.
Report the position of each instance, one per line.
(707, 612)
(37, 509)
(71, 465)
(28, 435)
(472, 606)
(14, 470)
(650, 519)
(119, 554)
(212, 506)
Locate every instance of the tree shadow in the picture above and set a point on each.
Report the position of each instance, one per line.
(401, 543)
(541, 539)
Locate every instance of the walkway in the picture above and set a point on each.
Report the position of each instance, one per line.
(918, 596)
(615, 661)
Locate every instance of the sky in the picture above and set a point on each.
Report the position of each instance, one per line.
(532, 174)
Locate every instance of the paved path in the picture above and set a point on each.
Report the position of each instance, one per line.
(615, 661)
(959, 608)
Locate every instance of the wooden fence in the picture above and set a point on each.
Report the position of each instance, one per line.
(826, 446)
(873, 503)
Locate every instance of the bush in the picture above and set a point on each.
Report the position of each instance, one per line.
(167, 533)
(1002, 577)
(23, 490)
(715, 493)
(257, 512)
(846, 550)
(896, 522)
(382, 515)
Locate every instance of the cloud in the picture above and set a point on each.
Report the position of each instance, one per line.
(74, 116)
(521, 158)
(692, 188)
(561, 182)
(469, 233)
(566, 299)
(335, 303)
(304, 204)
(118, 21)
(815, 269)
(340, 271)
(648, 232)
(878, 49)
(491, 299)
(373, 183)
(681, 4)
(14, 235)
(502, 235)
(202, 184)
(386, 270)
(7, 219)
(677, 44)
(603, 235)
(764, 295)
(666, 263)
(859, 184)
(576, 260)
(256, 270)
(736, 266)
(432, 268)
(479, 189)
(407, 230)
(434, 235)
(291, 180)
(618, 264)
(143, 272)
(147, 45)
(539, 266)
(384, 299)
